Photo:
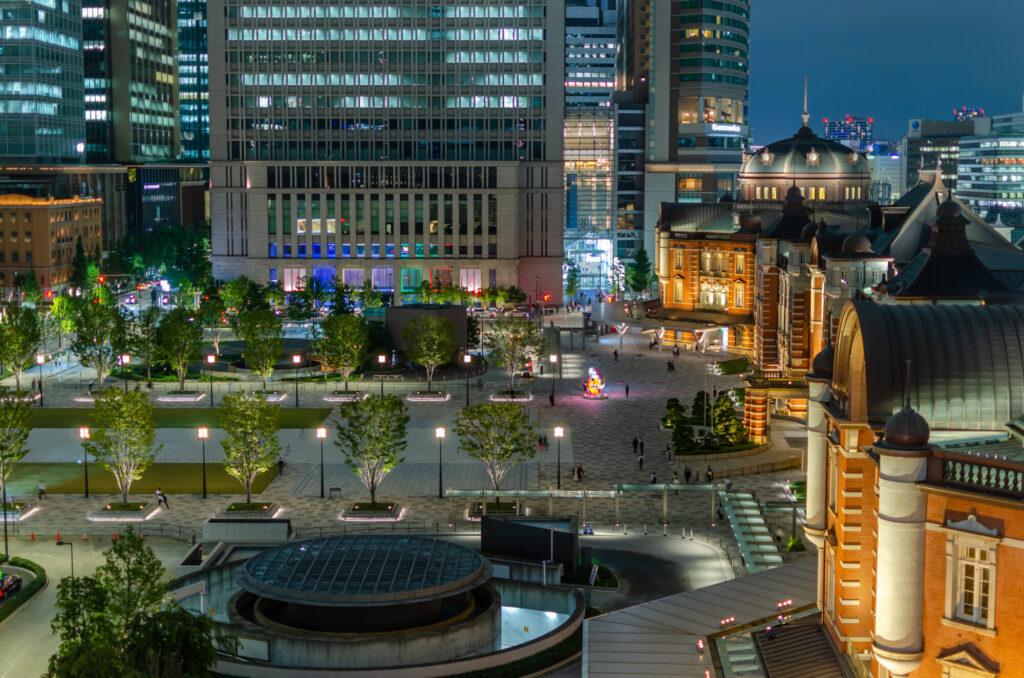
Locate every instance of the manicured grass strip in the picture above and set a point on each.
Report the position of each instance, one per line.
(720, 450)
(175, 417)
(734, 366)
(27, 590)
(171, 478)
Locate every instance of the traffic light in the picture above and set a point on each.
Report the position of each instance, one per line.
(547, 297)
(49, 294)
(103, 278)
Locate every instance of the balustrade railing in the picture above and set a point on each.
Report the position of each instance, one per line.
(979, 473)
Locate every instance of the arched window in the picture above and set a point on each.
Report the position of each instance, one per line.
(739, 295)
(706, 262)
(677, 290)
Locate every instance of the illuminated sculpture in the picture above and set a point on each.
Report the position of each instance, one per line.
(594, 386)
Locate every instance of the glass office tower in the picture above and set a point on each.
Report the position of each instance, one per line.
(193, 81)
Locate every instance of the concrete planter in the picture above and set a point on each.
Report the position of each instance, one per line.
(187, 397)
(343, 397)
(497, 398)
(264, 510)
(21, 511)
(428, 397)
(144, 513)
(396, 514)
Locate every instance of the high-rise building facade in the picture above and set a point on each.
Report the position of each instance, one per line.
(886, 177)
(990, 173)
(131, 80)
(853, 132)
(931, 143)
(393, 144)
(590, 48)
(689, 62)
(41, 97)
(193, 81)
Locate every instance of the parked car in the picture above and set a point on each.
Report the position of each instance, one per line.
(9, 585)
(131, 300)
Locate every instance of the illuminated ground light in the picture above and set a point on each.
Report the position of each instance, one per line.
(125, 518)
(374, 519)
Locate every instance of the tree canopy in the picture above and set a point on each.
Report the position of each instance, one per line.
(370, 435)
(430, 342)
(264, 340)
(122, 437)
(180, 338)
(343, 345)
(512, 342)
(20, 336)
(497, 434)
(251, 444)
(638, 272)
(15, 425)
(98, 330)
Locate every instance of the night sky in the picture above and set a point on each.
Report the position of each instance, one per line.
(891, 60)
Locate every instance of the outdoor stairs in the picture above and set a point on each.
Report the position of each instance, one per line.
(738, 657)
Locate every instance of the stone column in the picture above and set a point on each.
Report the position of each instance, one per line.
(817, 472)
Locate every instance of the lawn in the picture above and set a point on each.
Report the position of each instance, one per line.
(175, 417)
(171, 478)
(734, 366)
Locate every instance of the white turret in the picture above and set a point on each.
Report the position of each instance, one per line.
(818, 382)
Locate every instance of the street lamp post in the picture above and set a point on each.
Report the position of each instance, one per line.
(211, 360)
(72, 545)
(381, 359)
(124, 359)
(467, 359)
(296, 359)
(40, 359)
(321, 433)
(439, 434)
(203, 434)
(553, 359)
(3, 476)
(83, 435)
(559, 432)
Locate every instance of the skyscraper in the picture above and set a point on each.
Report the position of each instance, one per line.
(193, 81)
(131, 80)
(931, 143)
(345, 137)
(41, 97)
(851, 131)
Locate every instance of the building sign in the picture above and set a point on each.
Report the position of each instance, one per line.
(723, 127)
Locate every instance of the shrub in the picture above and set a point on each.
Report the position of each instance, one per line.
(27, 590)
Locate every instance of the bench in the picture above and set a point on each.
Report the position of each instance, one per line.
(334, 492)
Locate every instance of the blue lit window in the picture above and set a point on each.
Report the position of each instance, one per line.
(389, 250)
(404, 251)
(346, 250)
(302, 250)
(316, 250)
(287, 249)
(273, 275)
(360, 250)
(332, 250)
(272, 250)
(375, 250)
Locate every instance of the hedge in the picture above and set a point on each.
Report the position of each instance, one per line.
(27, 591)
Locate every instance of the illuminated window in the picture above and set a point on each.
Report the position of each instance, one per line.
(739, 296)
(757, 193)
(332, 226)
(740, 262)
(679, 262)
(300, 226)
(315, 227)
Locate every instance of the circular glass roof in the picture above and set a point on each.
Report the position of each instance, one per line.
(364, 570)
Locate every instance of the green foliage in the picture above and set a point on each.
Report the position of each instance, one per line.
(701, 410)
(674, 412)
(15, 425)
(344, 343)
(264, 340)
(572, 279)
(242, 294)
(20, 336)
(211, 315)
(144, 342)
(251, 444)
(380, 339)
(512, 342)
(472, 331)
(734, 366)
(342, 299)
(180, 339)
(307, 304)
(795, 544)
(369, 297)
(27, 591)
(638, 272)
(98, 324)
(497, 434)
(116, 622)
(62, 310)
(122, 437)
(429, 341)
(30, 289)
(81, 276)
(727, 425)
(683, 439)
(370, 435)
(179, 254)
(514, 295)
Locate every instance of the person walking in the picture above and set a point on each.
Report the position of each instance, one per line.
(669, 365)
(636, 446)
(90, 386)
(640, 461)
(675, 479)
(280, 466)
(654, 478)
(41, 490)
(641, 446)
(710, 473)
(668, 452)
(627, 390)
(615, 354)
(161, 498)
(687, 473)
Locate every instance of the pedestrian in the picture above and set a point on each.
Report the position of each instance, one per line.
(547, 444)
(551, 399)
(90, 386)
(710, 473)
(720, 514)
(668, 452)
(41, 490)
(687, 473)
(581, 473)
(641, 445)
(654, 478)
(288, 450)
(615, 354)
(640, 461)
(149, 385)
(280, 466)
(675, 479)
(669, 365)
(636, 446)
(627, 390)
(161, 498)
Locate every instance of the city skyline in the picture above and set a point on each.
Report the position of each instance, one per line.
(916, 75)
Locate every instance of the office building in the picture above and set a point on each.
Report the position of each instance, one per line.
(990, 173)
(629, 176)
(41, 97)
(936, 143)
(853, 132)
(434, 155)
(688, 62)
(590, 47)
(193, 81)
(40, 235)
(131, 80)
(886, 177)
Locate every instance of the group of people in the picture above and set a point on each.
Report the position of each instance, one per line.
(577, 472)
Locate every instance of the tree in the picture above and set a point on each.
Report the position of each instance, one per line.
(251, 444)
(572, 279)
(97, 323)
(144, 338)
(701, 407)
(512, 342)
(342, 297)
(180, 339)
(30, 289)
(344, 343)
(497, 434)
(514, 295)
(683, 440)
(20, 336)
(80, 274)
(371, 435)
(62, 310)
(726, 424)
(369, 297)
(638, 272)
(116, 622)
(15, 425)
(122, 437)
(211, 313)
(429, 341)
(264, 340)
(243, 294)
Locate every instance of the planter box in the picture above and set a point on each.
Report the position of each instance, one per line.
(270, 396)
(25, 397)
(428, 397)
(502, 398)
(342, 397)
(475, 510)
(189, 397)
(85, 399)
(259, 510)
(21, 510)
(382, 512)
(114, 515)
